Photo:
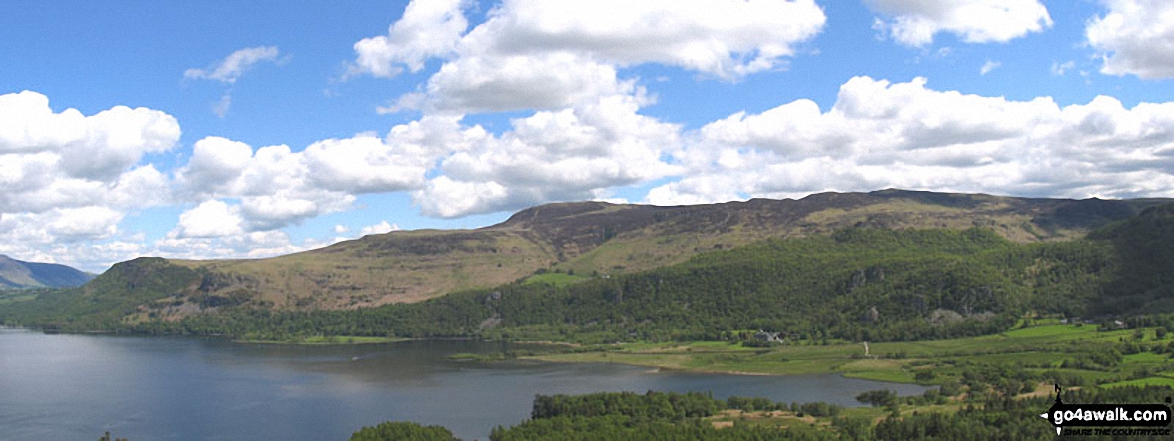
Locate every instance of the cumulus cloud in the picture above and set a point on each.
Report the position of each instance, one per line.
(273, 185)
(68, 177)
(278, 187)
(533, 54)
(427, 29)
(571, 154)
(724, 38)
(562, 61)
(212, 218)
(365, 165)
(506, 83)
(915, 22)
(97, 147)
(235, 64)
(1134, 38)
(905, 135)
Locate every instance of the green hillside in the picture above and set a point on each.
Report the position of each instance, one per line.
(856, 284)
(105, 301)
(886, 265)
(597, 238)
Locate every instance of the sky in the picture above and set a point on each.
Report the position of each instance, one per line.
(228, 129)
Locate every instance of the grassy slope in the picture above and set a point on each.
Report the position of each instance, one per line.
(375, 270)
(1038, 346)
(599, 238)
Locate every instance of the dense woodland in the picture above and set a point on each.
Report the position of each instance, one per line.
(858, 284)
(403, 431)
(673, 416)
(696, 416)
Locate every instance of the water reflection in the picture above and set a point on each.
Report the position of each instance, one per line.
(76, 387)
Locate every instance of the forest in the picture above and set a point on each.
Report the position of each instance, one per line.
(694, 416)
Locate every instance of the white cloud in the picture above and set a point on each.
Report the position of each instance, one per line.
(234, 65)
(571, 154)
(586, 135)
(215, 165)
(30, 126)
(340, 229)
(270, 212)
(142, 186)
(1059, 69)
(366, 165)
(905, 135)
(274, 184)
(84, 223)
(724, 38)
(278, 187)
(506, 83)
(1135, 37)
(533, 54)
(427, 29)
(231, 68)
(988, 67)
(97, 147)
(915, 22)
(221, 107)
(447, 198)
(213, 218)
(379, 228)
(68, 179)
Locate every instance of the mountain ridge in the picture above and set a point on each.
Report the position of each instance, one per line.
(587, 238)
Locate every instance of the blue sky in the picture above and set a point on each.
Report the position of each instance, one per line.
(249, 129)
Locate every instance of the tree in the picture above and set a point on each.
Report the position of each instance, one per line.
(106, 437)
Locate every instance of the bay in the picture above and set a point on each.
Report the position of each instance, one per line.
(75, 387)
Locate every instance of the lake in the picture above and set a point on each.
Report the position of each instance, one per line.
(75, 387)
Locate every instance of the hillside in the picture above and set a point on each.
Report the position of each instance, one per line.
(601, 238)
(854, 284)
(585, 239)
(20, 274)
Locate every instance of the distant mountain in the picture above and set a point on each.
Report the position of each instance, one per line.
(19, 274)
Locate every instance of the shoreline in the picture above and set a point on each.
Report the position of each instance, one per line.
(363, 341)
(657, 368)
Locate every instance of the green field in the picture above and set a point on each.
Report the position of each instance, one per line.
(555, 279)
(12, 296)
(1034, 349)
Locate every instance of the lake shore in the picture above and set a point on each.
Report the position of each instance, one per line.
(1039, 348)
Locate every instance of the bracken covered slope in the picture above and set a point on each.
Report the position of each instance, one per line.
(595, 238)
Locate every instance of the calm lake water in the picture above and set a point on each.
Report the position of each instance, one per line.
(75, 387)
